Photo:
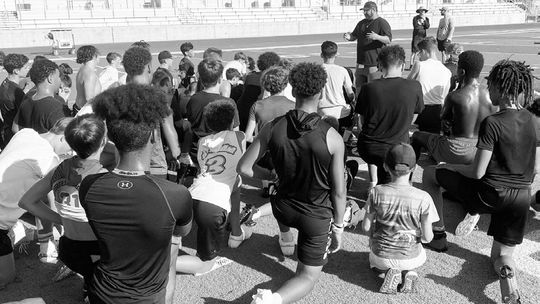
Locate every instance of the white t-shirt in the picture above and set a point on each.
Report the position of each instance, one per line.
(332, 100)
(108, 76)
(26, 159)
(435, 80)
(235, 64)
(218, 156)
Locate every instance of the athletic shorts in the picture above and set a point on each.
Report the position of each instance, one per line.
(452, 150)
(374, 153)
(5, 243)
(443, 44)
(430, 119)
(384, 264)
(313, 233)
(77, 255)
(508, 206)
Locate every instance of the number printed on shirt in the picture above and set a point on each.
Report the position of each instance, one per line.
(215, 164)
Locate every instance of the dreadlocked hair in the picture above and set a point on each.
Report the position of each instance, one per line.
(513, 78)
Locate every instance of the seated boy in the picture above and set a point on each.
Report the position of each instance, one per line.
(398, 217)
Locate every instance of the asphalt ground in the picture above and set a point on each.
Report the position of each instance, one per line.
(461, 275)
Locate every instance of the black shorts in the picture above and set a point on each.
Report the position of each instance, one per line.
(5, 243)
(430, 119)
(313, 233)
(374, 153)
(442, 44)
(77, 255)
(508, 206)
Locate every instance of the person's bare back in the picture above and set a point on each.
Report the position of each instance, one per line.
(464, 110)
(87, 85)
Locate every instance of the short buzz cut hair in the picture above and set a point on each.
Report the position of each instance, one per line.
(472, 62)
(392, 55)
(329, 49)
(186, 47)
(219, 114)
(266, 60)
(14, 62)
(307, 79)
(428, 44)
(135, 60)
(112, 56)
(42, 69)
(60, 125)
(210, 71)
(86, 53)
(84, 134)
(275, 79)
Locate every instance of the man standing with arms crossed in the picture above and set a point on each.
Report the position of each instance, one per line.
(372, 33)
(445, 31)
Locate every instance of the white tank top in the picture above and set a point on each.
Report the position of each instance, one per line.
(218, 156)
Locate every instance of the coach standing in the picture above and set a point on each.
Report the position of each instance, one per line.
(372, 33)
(445, 32)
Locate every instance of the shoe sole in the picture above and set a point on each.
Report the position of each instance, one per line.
(467, 225)
(391, 281)
(410, 284)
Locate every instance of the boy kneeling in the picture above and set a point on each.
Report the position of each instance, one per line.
(399, 218)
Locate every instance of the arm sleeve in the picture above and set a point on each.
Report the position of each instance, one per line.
(356, 32)
(371, 202)
(55, 115)
(183, 207)
(415, 24)
(386, 29)
(487, 135)
(428, 209)
(427, 24)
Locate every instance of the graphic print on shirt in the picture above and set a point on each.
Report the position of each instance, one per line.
(215, 162)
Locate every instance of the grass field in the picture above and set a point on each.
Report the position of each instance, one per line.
(461, 275)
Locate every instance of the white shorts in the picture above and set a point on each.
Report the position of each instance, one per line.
(384, 264)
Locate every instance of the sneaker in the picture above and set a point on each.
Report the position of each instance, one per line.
(391, 281)
(467, 225)
(218, 263)
(439, 243)
(509, 291)
(353, 214)
(246, 215)
(262, 296)
(236, 241)
(47, 252)
(287, 248)
(409, 282)
(62, 273)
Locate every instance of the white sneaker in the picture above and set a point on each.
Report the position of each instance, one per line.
(236, 241)
(287, 248)
(48, 253)
(218, 263)
(467, 224)
(265, 296)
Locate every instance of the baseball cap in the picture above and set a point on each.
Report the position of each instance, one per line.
(400, 158)
(164, 55)
(370, 5)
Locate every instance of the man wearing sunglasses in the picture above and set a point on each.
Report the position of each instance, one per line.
(372, 34)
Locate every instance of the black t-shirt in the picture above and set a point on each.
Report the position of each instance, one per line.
(40, 114)
(251, 93)
(194, 112)
(367, 50)
(133, 216)
(11, 97)
(511, 136)
(302, 162)
(387, 107)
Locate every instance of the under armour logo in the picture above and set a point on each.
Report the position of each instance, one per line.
(125, 185)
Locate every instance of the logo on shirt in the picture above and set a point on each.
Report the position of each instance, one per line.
(125, 185)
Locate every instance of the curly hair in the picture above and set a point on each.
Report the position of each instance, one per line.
(162, 77)
(307, 79)
(210, 71)
(186, 47)
(267, 60)
(329, 49)
(41, 70)
(275, 79)
(391, 56)
(512, 78)
(86, 53)
(84, 134)
(141, 44)
(472, 62)
(219, 114)
(14, 62)
(286, 63)
(65, 71)
(135, 60)
(132, 112)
